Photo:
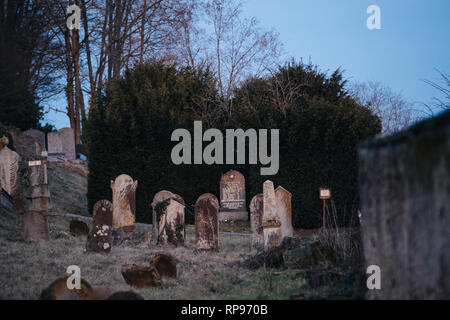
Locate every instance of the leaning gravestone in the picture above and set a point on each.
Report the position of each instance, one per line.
(171, 222)
(78, 228)
(207, 222)
(159, 197)
(256, 219)
(284, 211)
(271, 221)
(9, 172)
(62, 143)
(232, 197)
(124, 202)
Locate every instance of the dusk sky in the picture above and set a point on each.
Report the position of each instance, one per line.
(412, 43)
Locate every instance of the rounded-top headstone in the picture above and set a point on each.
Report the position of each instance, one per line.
(124, 201)
(232, 197)
(206, 222)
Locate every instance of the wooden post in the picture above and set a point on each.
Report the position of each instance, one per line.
(323, 219)
(324, 194)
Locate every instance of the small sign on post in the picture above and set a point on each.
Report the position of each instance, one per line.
(324, 194)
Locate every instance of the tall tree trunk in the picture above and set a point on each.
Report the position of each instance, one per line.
(69, 75)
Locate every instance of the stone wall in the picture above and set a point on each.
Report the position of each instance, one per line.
(405, 208)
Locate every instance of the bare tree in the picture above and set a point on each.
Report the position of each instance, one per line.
(443, 86)
(240, 46)
(394, 111)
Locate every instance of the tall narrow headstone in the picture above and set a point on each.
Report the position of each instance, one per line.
(256, 220)
(37, 175)
(207, 222)
(271, 221)
(159, 197)
(284, 211)
(232, 197)
(124, 202)
(171, 223)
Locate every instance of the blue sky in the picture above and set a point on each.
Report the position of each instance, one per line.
(414, 40)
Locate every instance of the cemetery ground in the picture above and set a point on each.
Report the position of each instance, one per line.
(315, 265)
(309, 270)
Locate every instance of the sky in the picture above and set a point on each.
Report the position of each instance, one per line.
(413, 41)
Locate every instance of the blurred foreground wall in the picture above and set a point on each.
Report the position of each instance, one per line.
(405, 207)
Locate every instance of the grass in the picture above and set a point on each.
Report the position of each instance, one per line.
(26, 269)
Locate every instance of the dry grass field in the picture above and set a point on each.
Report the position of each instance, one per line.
(26, 269)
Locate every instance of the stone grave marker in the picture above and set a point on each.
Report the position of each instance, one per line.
(61, 143)
(207, 222)
(124, 202)
(232, 197)
(256, 220)
(37, 175)
(284, 211)
(171, 222)
(271, 222)
(160, 196)
(9, 173)
(102, 213)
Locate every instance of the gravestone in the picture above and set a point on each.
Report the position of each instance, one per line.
(271, 222)
(37, 135)
(58, 290)
(159, 197)
(404, 183)
(9, 172)
(35, 226)
(256, 220)
(61, 143)
(37, 175)
(171, 223)
(124, 202)
(207, 222)
(284, 211)
(99, 239)
(141, 276)
(232, 197)
(102, 213)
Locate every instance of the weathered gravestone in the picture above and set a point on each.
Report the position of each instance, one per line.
(35, 226)
(405, 211)
(207, 222)
(37, 175)
(61, 143)
(37, 135)
(102, 213)
(170, 216)
(284, 211)
(256, 220)
(232, 197)
(271, 222)
(124, 202)
(141, 276)
(9, 173)
(159, 197)
(99, 239)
